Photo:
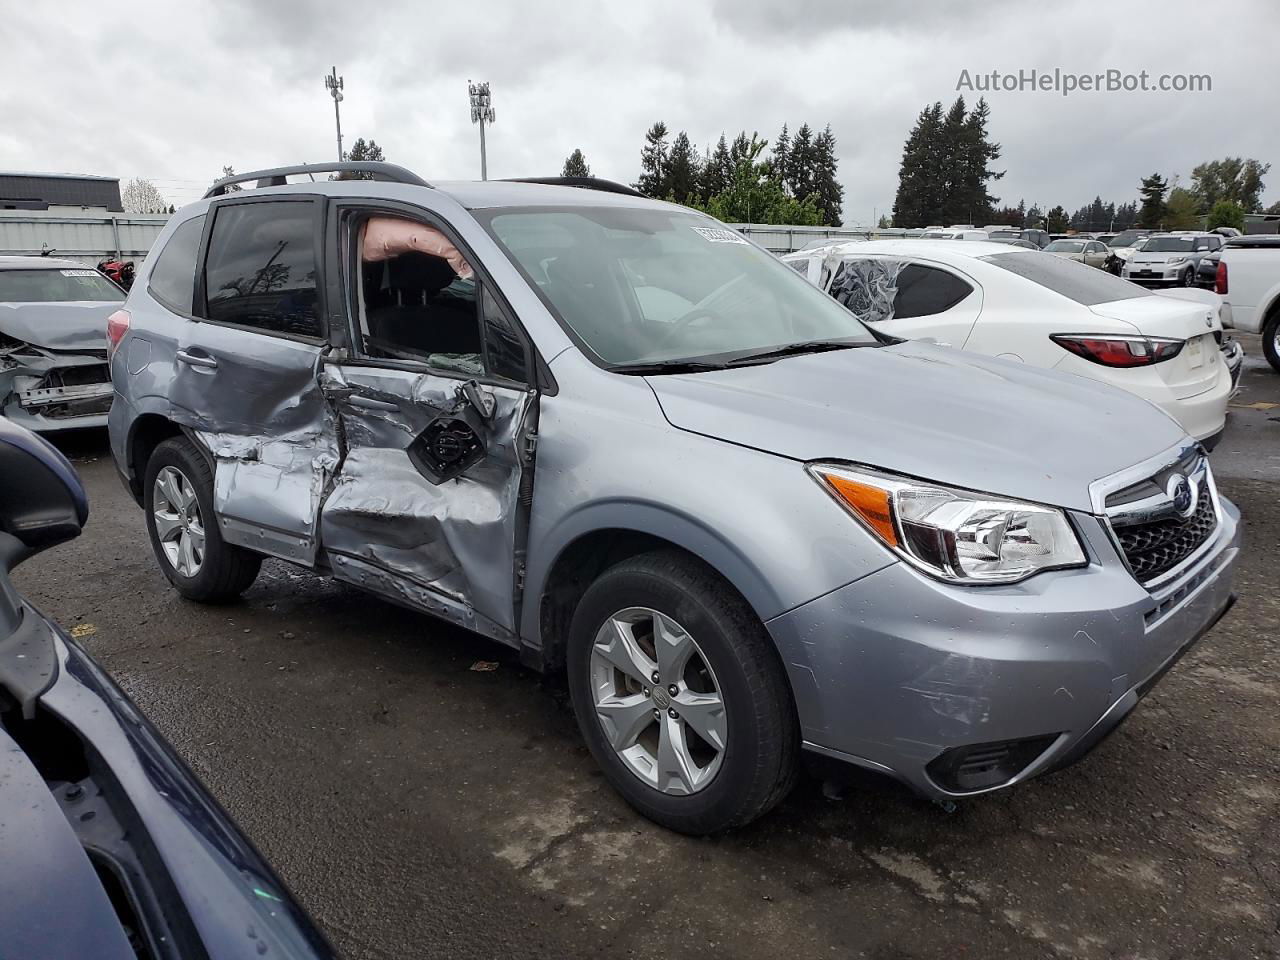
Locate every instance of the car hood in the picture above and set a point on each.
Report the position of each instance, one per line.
(58, 326)
(931, 412)
(1066, 254)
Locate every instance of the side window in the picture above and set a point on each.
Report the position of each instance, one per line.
(924, 291)
(1215, 243)
(867, 287)
(419, 298)
(504, 350)
(261, 267)
(173, 278)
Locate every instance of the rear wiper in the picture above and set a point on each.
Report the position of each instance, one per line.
(659, 367)
(794, 349)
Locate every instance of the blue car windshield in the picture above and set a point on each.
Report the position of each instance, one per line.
(638, 286)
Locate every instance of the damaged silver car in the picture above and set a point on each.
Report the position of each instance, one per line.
(53, 343)
(617, 436)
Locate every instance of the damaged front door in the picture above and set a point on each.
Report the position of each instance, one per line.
(430, 504)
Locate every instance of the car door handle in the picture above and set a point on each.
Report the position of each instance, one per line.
(196, 360)
(369, 403)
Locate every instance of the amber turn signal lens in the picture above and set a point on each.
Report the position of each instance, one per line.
(868, 502)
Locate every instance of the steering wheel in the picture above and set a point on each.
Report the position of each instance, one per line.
(682, 323)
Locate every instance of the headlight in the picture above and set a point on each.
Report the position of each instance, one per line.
(1176, 260)
(955, 535)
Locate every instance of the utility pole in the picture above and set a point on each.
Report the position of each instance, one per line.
(333, 83)
(481, 113)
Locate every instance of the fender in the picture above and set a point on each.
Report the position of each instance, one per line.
(688, 533)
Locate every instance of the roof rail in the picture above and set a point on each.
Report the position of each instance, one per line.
(586, 183)
(275, 177)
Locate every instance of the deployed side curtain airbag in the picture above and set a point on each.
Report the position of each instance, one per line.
(388, 237)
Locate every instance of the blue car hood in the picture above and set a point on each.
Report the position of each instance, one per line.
(928, 411)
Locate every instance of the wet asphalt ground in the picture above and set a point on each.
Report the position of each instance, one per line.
(421, 808)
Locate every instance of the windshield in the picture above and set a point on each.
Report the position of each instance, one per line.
(1065, 246)
(1125, 239)
(57, 285)
(640, 286)
(1168, 245)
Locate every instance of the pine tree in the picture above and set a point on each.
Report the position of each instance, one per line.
(575, 165)
(781, 156)
(830, 194)
(717, 171)
(915, 204)
(360, 150)
(974, 155)
(654, 162)
(1058, 221)
(951, 162)
(682, 171)
(799, 174)
(1153, 209)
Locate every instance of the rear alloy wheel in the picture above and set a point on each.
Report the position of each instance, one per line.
(680, 694)
(175, 512)
(178, 498)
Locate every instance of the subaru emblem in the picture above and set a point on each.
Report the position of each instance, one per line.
(1182, 494)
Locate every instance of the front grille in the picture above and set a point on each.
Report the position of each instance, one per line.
(1155, 548)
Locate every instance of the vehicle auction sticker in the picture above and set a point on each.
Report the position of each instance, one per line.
(79, 273)
(718, 235)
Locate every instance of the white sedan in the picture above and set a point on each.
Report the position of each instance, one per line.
(1040, 309)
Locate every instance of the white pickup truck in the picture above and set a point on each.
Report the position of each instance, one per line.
(1249, 277)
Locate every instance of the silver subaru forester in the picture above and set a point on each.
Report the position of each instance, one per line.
(617, 436)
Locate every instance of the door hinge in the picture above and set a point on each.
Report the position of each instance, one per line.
(530, 445)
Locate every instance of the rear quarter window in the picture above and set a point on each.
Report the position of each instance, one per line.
(1069, 278)
(173, 278)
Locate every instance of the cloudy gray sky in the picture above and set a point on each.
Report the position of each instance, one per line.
(172, 91)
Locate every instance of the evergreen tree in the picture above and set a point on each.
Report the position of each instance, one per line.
(799, 174)
(946, 168)
(916, 203)
(575, 165)
(781, 156)
(754, 195)
(1152, 192)
(654, 162)
(1126, 216)
(829, 192)
(1058, 221)
(682, 171)
(717, 172)
(1098, 219)
(362, 150)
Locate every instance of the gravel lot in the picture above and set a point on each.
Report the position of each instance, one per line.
(420, 808)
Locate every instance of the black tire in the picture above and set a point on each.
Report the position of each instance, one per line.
(1270, 333)
(225, 571)
(1189, 277)
(760, 760)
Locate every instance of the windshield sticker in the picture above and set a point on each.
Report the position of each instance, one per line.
(79, 273)
(718, 235)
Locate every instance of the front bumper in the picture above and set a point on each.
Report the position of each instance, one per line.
(1155, 273)
(897, 672)
(46, 391)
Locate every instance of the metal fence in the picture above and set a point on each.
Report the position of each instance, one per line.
(785, 239)
(88, 237)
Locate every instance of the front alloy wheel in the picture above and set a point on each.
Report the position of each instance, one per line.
(658, 701)
(179, 525)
